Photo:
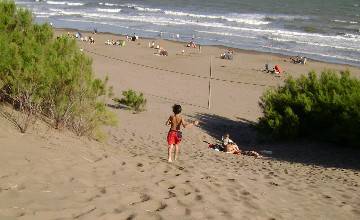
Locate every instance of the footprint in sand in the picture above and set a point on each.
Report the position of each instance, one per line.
(187, 193)
(117, 211)
(103, 190)
(198, 197)
(162, 207)
(139, 165)
(143, 198)
(245, 193)
(131, 217)
(171, 187)
(171, 195)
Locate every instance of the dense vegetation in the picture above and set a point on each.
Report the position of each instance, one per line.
(325, 107)
(46, 77)
(133, 100)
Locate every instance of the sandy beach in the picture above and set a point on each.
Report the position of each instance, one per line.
(47, 174)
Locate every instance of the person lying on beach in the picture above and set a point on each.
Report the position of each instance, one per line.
(163, 53)
(174, 135)
(231, 147)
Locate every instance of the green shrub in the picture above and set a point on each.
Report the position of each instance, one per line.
(47, 76)
(133, 100)
(324, 108)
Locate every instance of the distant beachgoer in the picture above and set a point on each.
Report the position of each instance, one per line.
(174, 135)
(277, 70)
(304, 60)
(163, 52)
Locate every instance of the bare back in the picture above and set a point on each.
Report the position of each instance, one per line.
(175, 122)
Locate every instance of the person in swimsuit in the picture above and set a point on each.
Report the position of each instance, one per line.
(174, 135)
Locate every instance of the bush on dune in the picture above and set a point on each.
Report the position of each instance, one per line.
(133, 100)
(40, 75)
(325, 107)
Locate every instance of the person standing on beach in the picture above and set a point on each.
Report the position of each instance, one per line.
(174, 135)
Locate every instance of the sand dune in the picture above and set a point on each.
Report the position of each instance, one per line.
(47, 174)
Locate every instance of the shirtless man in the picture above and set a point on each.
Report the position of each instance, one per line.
(174, 136)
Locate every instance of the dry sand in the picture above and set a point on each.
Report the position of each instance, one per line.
(46, 174)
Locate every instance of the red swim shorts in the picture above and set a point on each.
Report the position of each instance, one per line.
(174, 137)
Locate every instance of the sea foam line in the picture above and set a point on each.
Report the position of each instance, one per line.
(110, 10)
(64, 3)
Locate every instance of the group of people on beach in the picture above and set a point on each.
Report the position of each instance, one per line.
(275, 70)
(79, 36)
(115, 43)
(228, 55)
(298, 60)
(174, 137)
(160, 50)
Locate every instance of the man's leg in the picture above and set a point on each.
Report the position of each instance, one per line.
(176, 151)
(170, 149)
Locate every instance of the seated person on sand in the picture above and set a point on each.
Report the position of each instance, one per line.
(91, 40)
(303, 60)
(231, 147)
(267, 68)
(152, 44)
(277, 70)
(134, 37)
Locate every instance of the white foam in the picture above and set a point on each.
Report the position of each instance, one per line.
(312, 53)
(64, 3)
(110, 10)
(74, 4)
(315, 44)
(342, 21)
(110, 4)
(147, 9)
(245, 18)
(287, 17)
(107, 4)
(141, 8)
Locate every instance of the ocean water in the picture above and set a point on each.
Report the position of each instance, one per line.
(327, 30)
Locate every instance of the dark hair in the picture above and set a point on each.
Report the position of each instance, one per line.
(177, 109)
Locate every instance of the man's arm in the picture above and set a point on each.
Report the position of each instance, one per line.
(188, 124)
(168, 121)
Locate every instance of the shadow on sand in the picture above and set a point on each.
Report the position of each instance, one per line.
(305, 152)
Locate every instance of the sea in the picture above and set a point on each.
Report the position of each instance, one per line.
(325, 30)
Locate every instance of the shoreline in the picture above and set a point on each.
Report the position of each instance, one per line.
(219, 46)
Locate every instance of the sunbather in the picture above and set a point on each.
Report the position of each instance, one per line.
(231, 147)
